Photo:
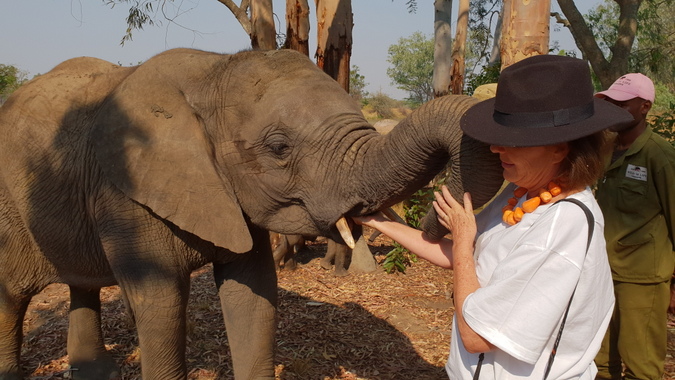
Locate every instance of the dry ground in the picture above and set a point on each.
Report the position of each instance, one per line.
(367, 326)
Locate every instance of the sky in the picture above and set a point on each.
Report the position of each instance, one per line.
(39, 34)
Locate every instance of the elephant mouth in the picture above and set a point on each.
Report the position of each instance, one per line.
(346, 233)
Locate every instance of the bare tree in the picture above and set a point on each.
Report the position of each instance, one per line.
(263, 32)
(442, 48)
(525, 30)
(260, 26)
(606, 69)
(335, 22)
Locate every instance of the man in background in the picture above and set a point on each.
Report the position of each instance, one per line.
(639, 211)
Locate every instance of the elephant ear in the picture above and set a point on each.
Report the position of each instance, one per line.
(151, 144)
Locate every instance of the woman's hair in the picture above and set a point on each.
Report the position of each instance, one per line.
(584, 164)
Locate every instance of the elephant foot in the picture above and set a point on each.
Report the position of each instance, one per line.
(101, 369)
(326, 264)
(340, 272)
(291, 265)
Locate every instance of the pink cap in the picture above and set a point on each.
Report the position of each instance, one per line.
(628, 87)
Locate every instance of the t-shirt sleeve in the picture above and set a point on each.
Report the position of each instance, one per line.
(520, 307)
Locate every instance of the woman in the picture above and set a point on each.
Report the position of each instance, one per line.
(516, 266)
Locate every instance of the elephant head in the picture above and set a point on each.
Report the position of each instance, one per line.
(214, 142)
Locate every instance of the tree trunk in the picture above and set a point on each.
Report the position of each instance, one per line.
(442, 47)
(335, 22)
(606, 71)
(263, 32)
(297, 26)
(458, 52)
(495, 54)
(525, 30)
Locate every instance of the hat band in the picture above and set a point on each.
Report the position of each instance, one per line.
(544, 119)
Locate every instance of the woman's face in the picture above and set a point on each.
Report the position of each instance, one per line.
(531, 167)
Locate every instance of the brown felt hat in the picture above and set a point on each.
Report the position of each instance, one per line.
(542, 100)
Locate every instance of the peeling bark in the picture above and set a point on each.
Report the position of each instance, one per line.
(297, 26)
(335, 22)
(525, 30)
(442, 47)
(263, 32)
(458, 53)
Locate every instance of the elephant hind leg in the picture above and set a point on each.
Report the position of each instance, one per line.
(12, 311)
(86, 350)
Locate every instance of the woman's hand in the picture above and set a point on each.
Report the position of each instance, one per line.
(371, 220)
(459, 219)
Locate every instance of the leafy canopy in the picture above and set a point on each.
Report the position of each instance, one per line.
(10, 79)
(412, 66)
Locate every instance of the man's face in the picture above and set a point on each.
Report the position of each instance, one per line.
(637, 107)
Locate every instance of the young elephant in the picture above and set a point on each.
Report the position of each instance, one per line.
(139, 175)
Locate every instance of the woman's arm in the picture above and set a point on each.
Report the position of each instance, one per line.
(462, 222)
(414, 240)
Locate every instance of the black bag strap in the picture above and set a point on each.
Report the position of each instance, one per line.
(591, 225)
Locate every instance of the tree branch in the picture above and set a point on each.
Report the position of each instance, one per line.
(240, 13)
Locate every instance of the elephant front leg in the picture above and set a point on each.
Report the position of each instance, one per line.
(89, 360)
(12, 312)
(158, 305)
(248, 291)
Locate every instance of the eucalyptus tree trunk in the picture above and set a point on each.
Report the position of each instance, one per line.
(263, 32)
(458, 51)
(335, 22)
(525, 30)
(297, 26)
(442, 47)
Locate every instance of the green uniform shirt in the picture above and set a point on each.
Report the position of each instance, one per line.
(637, 198)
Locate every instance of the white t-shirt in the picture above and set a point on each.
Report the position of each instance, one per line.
(527, 274)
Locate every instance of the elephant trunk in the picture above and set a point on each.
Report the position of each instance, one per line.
(417, 149)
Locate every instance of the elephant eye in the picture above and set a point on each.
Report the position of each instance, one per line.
(280, 149)
(278, 145)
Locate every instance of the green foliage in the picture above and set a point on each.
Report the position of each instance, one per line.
(415, 209)
(663, 122)
(357, 85)
(412, 66)
(383, 105)
(490, 74)
(141, 13)
(10, 79)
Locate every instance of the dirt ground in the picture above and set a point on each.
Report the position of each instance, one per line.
(365, 326)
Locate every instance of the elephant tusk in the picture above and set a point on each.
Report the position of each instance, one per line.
(391, 214)
(345, 232)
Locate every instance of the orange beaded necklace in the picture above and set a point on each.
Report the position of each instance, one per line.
(513, 216)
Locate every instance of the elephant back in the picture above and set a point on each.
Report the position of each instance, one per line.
(44, 123)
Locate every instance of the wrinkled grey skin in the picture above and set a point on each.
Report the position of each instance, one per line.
(139, 175)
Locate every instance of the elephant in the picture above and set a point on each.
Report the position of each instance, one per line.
(285, 248)
(137, 176)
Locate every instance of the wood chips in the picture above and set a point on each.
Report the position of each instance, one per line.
(366, 326)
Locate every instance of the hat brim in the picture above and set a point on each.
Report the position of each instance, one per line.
(478, 123)
(619, 96)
